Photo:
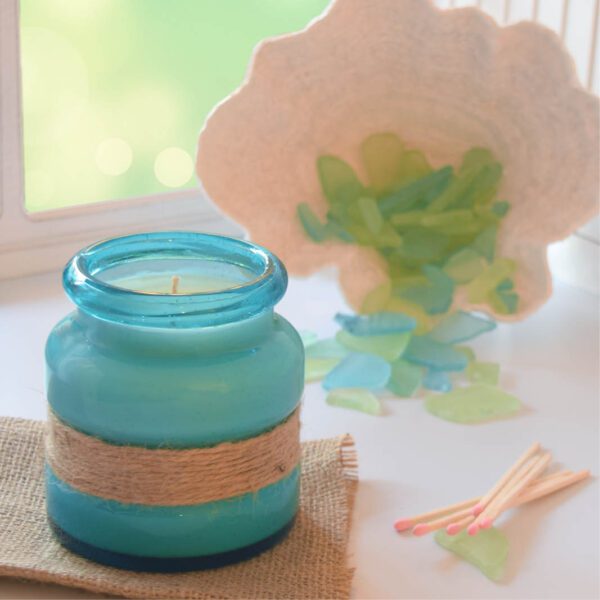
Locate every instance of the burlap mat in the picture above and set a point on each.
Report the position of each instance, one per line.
(310, 563)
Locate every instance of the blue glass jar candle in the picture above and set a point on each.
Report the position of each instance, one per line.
(174, 348)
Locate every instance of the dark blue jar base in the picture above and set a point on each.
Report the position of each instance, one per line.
(167, 565)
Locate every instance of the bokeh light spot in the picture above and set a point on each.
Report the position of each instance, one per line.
(173, 167)
(113, 156)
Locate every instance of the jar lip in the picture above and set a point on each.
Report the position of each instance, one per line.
(112, 302)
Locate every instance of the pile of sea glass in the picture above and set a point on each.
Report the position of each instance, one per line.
(436, 231)
(378, 354)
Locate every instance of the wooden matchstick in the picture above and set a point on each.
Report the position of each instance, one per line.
(487, 498)
(549, 487)
(509, 493)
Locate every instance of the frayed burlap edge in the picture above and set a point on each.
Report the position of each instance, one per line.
(310, 563)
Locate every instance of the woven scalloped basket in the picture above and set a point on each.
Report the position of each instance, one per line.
(444, 82)
(310, 563)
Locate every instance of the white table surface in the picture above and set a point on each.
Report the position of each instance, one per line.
(411, 461)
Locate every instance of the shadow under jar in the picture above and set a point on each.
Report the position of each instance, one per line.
(173, 353)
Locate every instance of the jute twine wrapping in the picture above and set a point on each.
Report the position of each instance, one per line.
(172, 477)
(310, 563)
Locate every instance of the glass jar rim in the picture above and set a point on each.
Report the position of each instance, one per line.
(104, 300)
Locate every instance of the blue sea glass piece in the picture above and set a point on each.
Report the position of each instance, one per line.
(359, 370)
(506, 285)
(460, 327)
(510, 300)
(422, 350)
(381, 323)
(311, 223)
(438, 381)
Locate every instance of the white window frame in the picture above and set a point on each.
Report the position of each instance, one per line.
(42, 241)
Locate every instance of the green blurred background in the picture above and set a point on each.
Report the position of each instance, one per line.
(115, 91)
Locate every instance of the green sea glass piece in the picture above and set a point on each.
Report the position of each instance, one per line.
(461, 190)
(377, 299)
(464, 265)
(370, 214)
(500, 208)
(413, 165)
(338, 180)
(468, 352)
(408, 219)
(460, 327)
(382, 157)
(327, 348)
(308, 337)
(390, 346)
(476, 157)
(486, 282)
(423, 245)
(405, 379)
(438, 381)
(416, 194)
(473, 404)
(422, 350)
(388, 238)
(504, 302)
(436, 295)
(483, 372)
(316, 369)
(485, 243)
(488, 550)
(316, 230)
(381, 323)
(359, 370)
(448, 218)
(484, 186)
(355, 399)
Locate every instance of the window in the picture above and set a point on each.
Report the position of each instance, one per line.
(114, 92)
(100, 138)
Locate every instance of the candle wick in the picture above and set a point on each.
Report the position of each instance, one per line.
(174, 284)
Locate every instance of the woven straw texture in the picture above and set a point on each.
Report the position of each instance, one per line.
(310, 563)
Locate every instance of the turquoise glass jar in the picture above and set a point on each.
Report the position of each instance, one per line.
(174, 344)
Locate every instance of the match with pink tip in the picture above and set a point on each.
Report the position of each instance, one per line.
(522, 483)
(403, 524)
(421, 529)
